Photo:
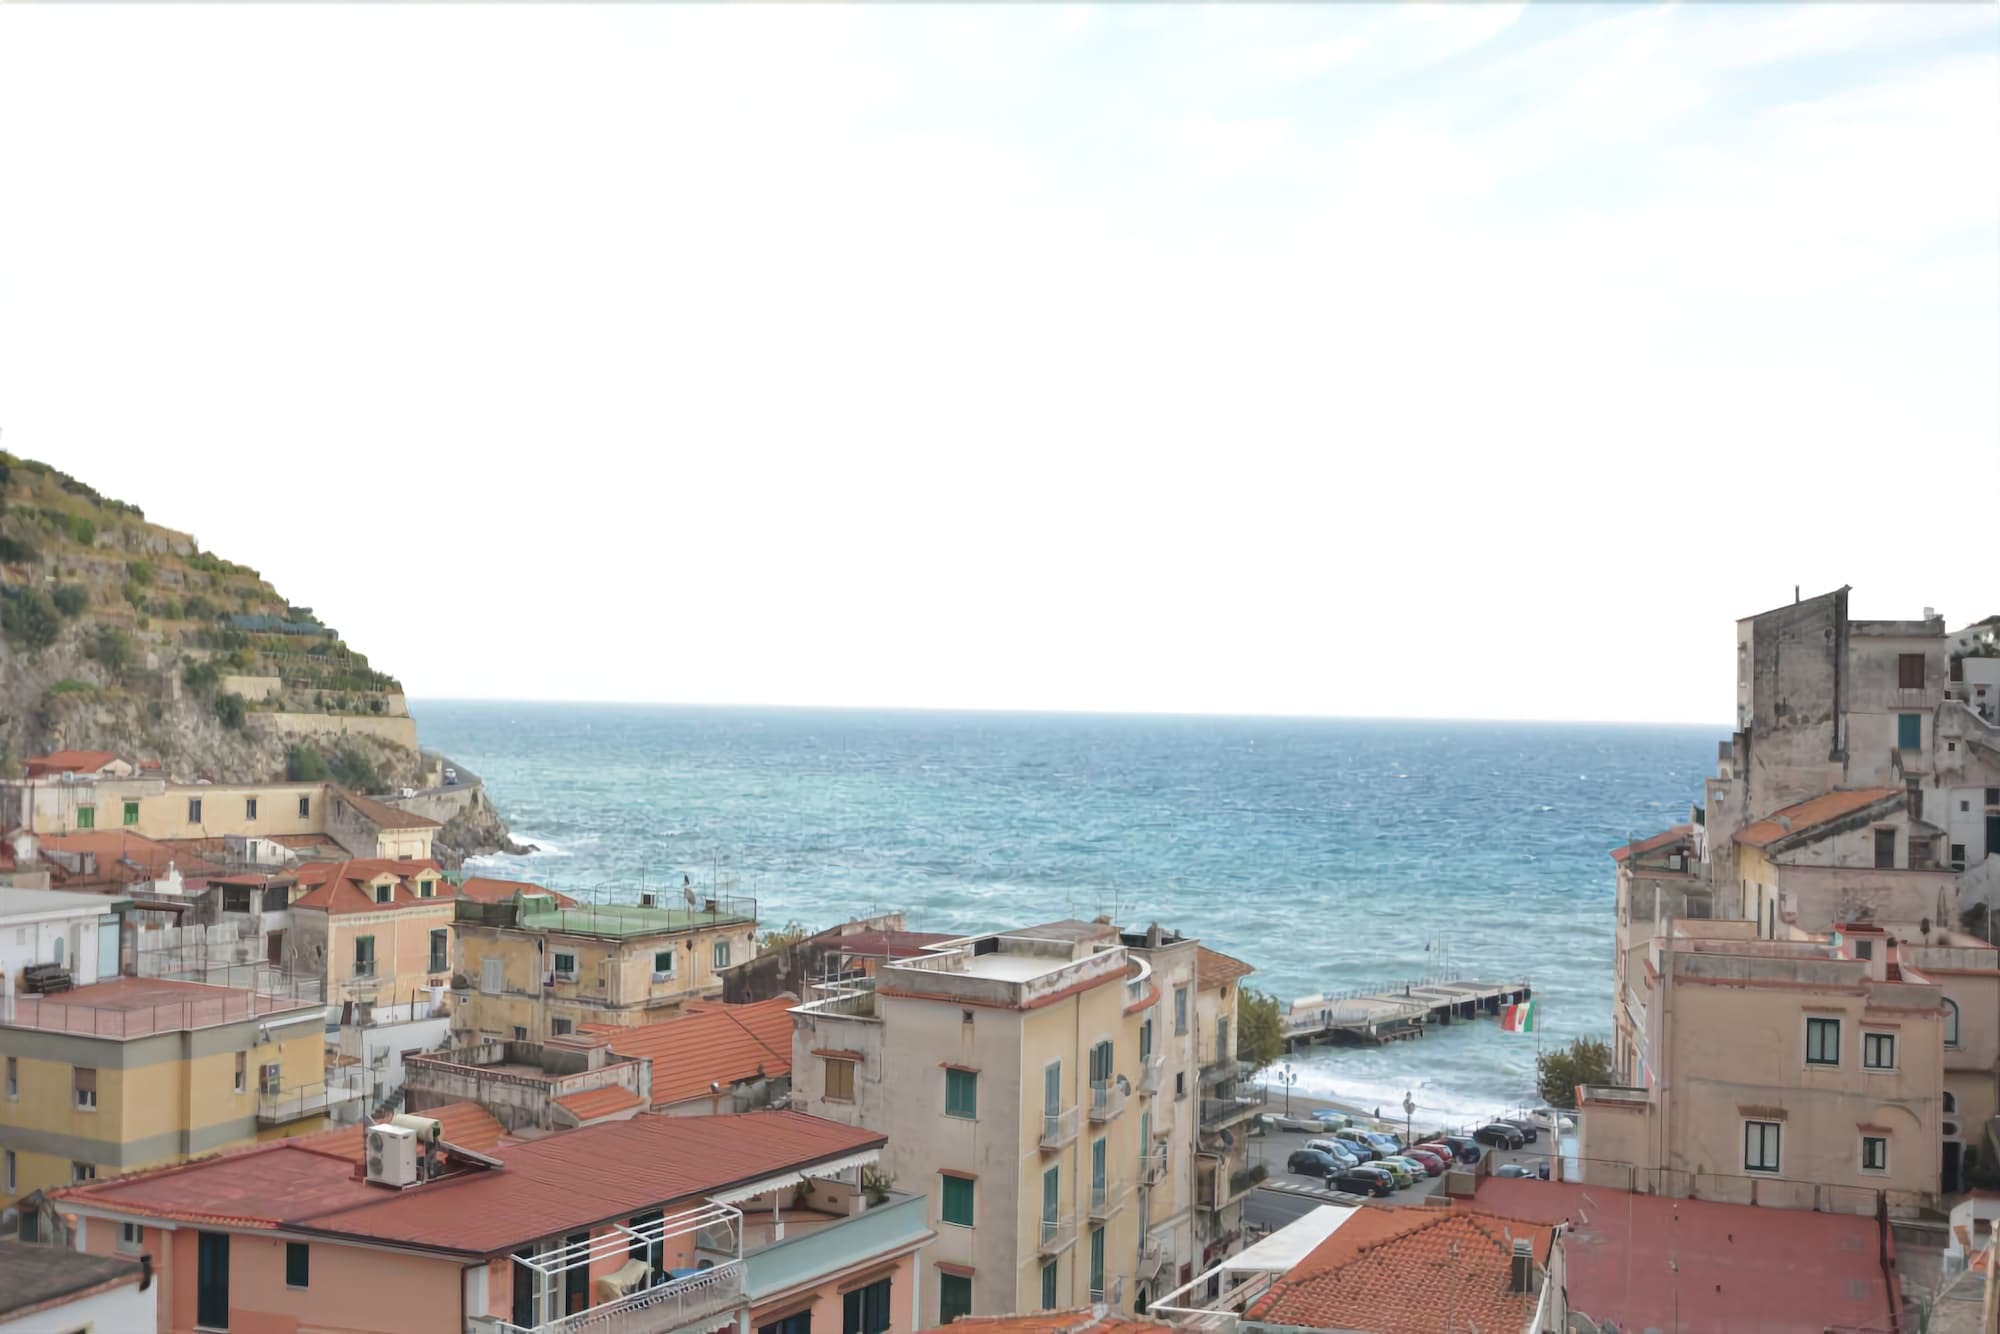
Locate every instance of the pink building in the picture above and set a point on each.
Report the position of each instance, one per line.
(682, 1225)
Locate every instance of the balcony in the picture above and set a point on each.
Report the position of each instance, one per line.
(1217, 1187)
(1107, 1099)
(683, 1303)
(1112, 1296)
(1058, 1234)
(899, 1221)
(1153, 1166)
(1151, 1073)
(278, 1107)
(1059, 1129)
(1226, 1071)
(1153, 1258)
(1219, 1112)
(1106, 1199)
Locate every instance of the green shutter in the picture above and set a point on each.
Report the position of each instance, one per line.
(1049, 1286)
(958, 1200)
(954, 1297)
(131, 812)
(961, 1094)
(86, 817)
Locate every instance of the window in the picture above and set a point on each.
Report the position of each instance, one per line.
(492, 976)
(954, 1297)
(1760, 1146)
(1923, 854)
(1180, 1011)
(80, 1172)
(1049, 1286)
(131, 812)
(866, 1310)
(798, 1323)
(961, 1094)
(298, 1264)
(85, 1083)
(1874, 1153)
(1100, 1063)
(663, 965)
(650, 1245)
(242, 1070)
(427, 889)
(305, 807)
(131, 1237)
(721, 954)
(1097, 1264)
(1180, 1083)
(383, 893)
(8, 1175)
(839, 1075)
(30, 1220)
(560, 1028)
(1909, 731)
(249, 808)
(1864, 949)
(1885, 849)
(270, 1078)
(440, 950)
(86, 817)
(194, 810)
(520, 1033)
(1878, 1051)
(13, 1077)
(211, 1299)
(364, 956)
(1145, 1042)
(1910, 671)
(956, 1207)
(1950, 1030)
(1822, 1042)
(566, 966)
(1958, 856)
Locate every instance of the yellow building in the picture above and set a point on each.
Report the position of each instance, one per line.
(140, 1072)
(377, 930)
(529, 969)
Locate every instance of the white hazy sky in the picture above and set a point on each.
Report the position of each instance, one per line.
(1469, 361)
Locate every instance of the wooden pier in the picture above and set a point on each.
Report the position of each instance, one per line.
(1395, 1011)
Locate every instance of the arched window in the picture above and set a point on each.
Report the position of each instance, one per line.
(1950, 1026)
(1950, 1103)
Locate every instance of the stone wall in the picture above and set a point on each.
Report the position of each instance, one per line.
(396, 731)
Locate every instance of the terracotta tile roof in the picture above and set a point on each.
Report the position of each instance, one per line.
(338, 887)
(1081, 1321)
(382, 815)
(466, 1124)
(887, 944)
(1653, 844)
(483, 889)
(1810, 814)
(1409, 1271)
(720, 1044)
(69, 762)
(126, 857)
(267, 1186)
(593, 1103)
(1647, 1261)
(1213, 968)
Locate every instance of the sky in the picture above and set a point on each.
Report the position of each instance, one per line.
(1470, 361)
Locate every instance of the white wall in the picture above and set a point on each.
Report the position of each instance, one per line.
(30, 938)
(118, 1311)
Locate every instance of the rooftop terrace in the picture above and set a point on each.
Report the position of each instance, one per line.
(137, 1007)
(624, 920)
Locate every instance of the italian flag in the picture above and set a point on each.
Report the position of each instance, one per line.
(1518, 1018)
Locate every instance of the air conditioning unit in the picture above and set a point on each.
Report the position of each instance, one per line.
(649, 899)
(392, 1156)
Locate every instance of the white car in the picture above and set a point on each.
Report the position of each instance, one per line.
(1273, 1121)
(1552, 1121)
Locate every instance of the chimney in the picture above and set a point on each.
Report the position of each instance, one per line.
(1522, 1279)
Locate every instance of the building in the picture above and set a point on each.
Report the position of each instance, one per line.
(532, 1088)
(671, 1224)
(852, 950)
(50, 931)
(133, 1072)
(1783, 1072)
(714, 1058)
(41, 1291)
(1223, 1173)
(1042, 1088)
(78, 765)
(485, 889)
(529, 970)
(378, 931)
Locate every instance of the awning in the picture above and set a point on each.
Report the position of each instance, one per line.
(764, 1186)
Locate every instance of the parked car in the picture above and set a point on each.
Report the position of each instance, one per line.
(1313, 1163)
(1466, 1147)
(1363, 1150)
(1512, 1170)
(1500, 1135)
(1384, 1141)
(1273, 1121)
(1449, 1154)
(1419, 1172)
(1403, 1176)
(1523, 1124)
(1433, 1164)
(1551, 1120)
(1376, 1172)
(1360, 1181)
(1334, 1149)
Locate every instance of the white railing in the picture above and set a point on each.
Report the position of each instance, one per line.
(668, 1306)
(281, 1106)
(1058, 1233)
(1059, 1129)
(1153, 1166)
(1107, 1099)
(1112, 1296)
(1106, 1197)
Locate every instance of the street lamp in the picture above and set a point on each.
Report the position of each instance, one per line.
(1288, 1077)
(1409, 1110)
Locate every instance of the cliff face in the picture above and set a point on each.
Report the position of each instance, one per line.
(118, 634)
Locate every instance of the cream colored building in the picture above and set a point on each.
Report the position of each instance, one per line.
(1043, 1087)
(529, 970)
(378, 931)
(1783, 1072)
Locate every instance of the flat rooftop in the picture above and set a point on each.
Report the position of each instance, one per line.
(136, 1007)
(32, 1275)
(36, 902)
(623, 920)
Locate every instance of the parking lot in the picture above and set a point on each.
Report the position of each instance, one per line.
(1285, 1195)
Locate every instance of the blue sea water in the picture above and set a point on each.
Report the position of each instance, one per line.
(1328, 853)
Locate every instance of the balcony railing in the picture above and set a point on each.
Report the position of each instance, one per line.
(1153, 1257)
(1153, 1166)
(1150, 1073)
(1107, 1099)
(1106, 1199)
(673, 1305)
(1058, 1234)
(1219, 1112)
(1217, 1187)
(1223, 1071)
(1059, 1129)
(1112, 1294)
(283, 1106)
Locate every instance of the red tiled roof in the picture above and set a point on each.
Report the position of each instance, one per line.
(1213, 968)
(888, 944)
(69, 762)
(126, 857)
(267, 1186)
(1409, 1271)
(466, 1124)
(384, 816)
(337, 887)
(719, 1044)
(1647, 1261)
(1811, 813)
(1081, 1321)
(1653, 844)
(593, 1103)
(483, 889)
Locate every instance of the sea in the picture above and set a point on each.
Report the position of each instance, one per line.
(1328, 853)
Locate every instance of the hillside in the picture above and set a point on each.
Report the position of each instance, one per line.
(119, 634)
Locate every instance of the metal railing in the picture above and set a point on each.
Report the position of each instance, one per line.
(1225, 1069)
(1153, 1166)
(1106, 1199)
(1057, 1234)
(1219, 1112)
(1059, 1129)
(1153, 1257)
(282, 1106)
(56, 1016)
(1112, 1294)
(1107, 1099)
(667, 1306)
